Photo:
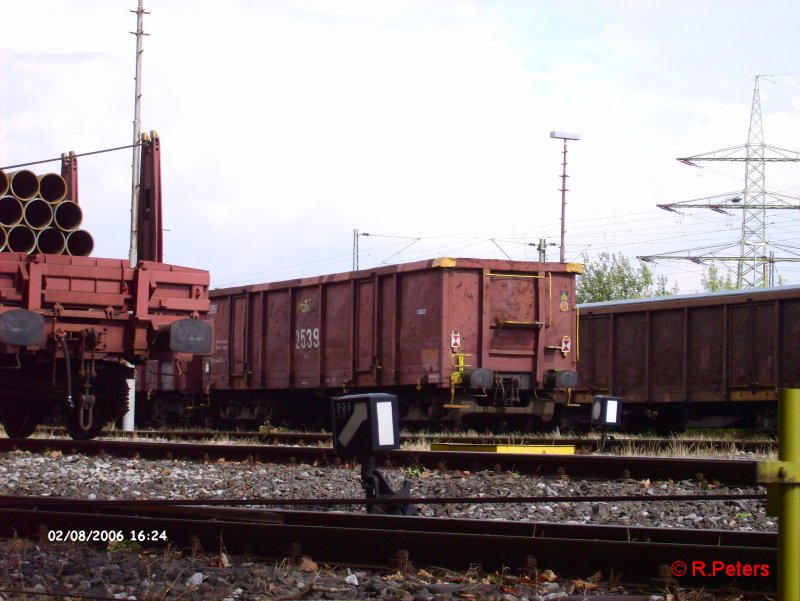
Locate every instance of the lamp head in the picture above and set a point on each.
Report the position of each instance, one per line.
(564, 135)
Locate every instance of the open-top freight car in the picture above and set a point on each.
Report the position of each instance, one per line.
(453, 338)
(71, 327)
(713, 359)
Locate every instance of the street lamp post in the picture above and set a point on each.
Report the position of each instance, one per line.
(562, 135)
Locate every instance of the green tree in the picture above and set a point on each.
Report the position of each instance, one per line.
(614, 277)
(712, 281)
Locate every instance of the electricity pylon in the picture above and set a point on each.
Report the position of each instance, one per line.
(754, 200)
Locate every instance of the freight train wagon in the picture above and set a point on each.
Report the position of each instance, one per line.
(454, 338)
(72, 326)
(68, 325)
(708, 360)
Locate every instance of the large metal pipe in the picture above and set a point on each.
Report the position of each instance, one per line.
(67, 215)
(3, 183)
(3, 237)
(80, 243)
(11, 211)
(38, 214)
(52, 187)
(21, 239)
(51, 241)
(23, 184)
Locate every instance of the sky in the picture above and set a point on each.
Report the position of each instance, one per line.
(286, 125)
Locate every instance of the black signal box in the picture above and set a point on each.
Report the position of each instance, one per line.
(365, 423)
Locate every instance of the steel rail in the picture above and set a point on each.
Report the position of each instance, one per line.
(335, 501)
(725, 471)
(582, 444)
(385, 541)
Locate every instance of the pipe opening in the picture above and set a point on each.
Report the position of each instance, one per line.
(51, 241)
(38, 213)
(80, 243)
(24, 184)
(21, 239)
(68, 215)
(52, 187)
(11, 211)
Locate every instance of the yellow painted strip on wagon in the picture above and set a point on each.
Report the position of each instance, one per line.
(444, 262)
(505, 448)
(575, 267)
(518, 276)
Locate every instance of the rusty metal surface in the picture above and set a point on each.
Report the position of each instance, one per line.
(715, 347)
(74, 293)
(393, 325)
(360, 539)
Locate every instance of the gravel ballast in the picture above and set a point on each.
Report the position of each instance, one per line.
(86, 477)
(81, 571)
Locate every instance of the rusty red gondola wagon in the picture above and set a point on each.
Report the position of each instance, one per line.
(714, 359)
(454, 338)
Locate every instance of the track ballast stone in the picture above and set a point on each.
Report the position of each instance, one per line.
(76, 570)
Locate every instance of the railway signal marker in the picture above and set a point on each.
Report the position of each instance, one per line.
(365, 423)
(358, 417)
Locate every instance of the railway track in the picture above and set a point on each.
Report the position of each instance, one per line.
(388, 542)
(582, 445)
(730, 472)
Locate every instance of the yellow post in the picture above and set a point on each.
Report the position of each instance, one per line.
(789, 506)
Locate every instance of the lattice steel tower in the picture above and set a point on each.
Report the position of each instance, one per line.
(753, 263)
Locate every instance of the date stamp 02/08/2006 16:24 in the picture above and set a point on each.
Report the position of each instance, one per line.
(107, 536)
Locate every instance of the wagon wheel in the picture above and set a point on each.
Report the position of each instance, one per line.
(20, 420)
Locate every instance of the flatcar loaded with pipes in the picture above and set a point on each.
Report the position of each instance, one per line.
(457, 340)
(72, 327)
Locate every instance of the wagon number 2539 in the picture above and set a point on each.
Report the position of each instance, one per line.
(305, 338)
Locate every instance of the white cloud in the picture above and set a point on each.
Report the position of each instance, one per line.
(285, 125)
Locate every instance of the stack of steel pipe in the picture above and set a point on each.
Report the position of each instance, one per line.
(37, 217)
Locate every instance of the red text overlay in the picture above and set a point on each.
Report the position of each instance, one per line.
(711, 569)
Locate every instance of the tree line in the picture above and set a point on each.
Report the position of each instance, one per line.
(612, 276)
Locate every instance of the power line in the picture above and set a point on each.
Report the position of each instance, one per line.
(754, 264)
(82, 154)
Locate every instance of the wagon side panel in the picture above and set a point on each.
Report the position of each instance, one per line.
(278, 340)
(667, 363)
(790, 343)
(389, 373)
(461, 323)
(420, 345)
(306, 354)
(705, 353)
(594, 365)
(219, 368)
(629, 361)
(337, 334)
